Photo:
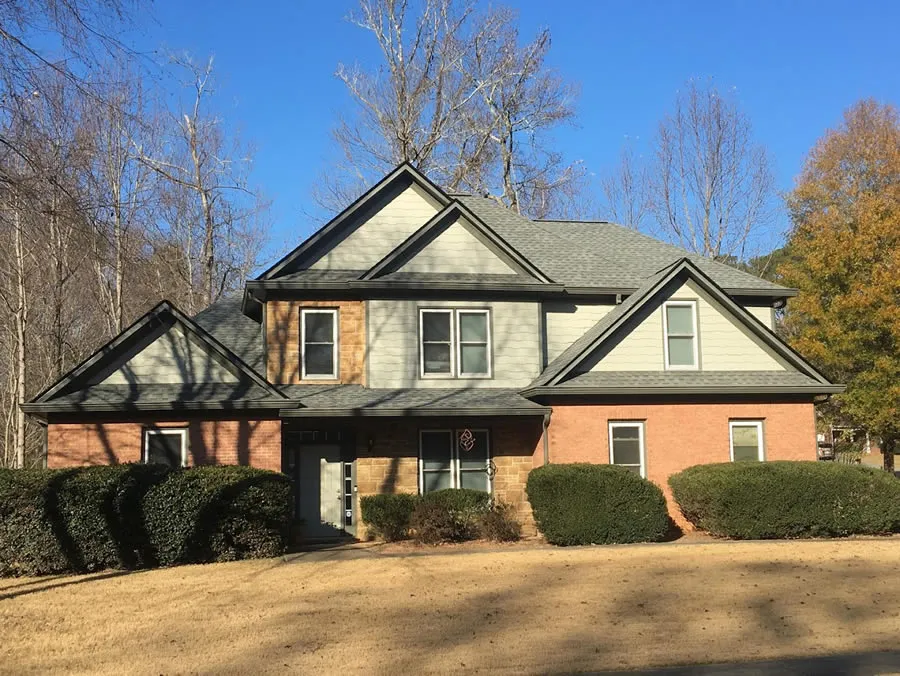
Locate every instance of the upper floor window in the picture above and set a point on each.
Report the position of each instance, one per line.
(455, 343)
(680, 326)
(319, 342)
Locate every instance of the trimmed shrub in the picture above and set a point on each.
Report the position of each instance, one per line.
(500, 523)
(137, 516)
(387, 516)
(207, 514)
(449, 515)
(581, 503)
(788, 499)
(77, 520)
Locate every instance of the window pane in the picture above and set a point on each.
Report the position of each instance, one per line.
(319, 327)
(745, 435)
(680, 319)
(436, 481)
(681, 351)
(475, 480)
(473, 327)
(626, 451)
(436, 450)
(435, 326)
(474, 457)
(745, 453)
(437, 358)
(634, 468)
(473, 359)
(319, 360)
(164, 449)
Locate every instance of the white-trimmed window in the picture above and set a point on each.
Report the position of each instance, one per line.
(458, 458)
(454, 343)
(166, 447)
(626, 446)
(746, 440)
(319, 343)
(680, 327)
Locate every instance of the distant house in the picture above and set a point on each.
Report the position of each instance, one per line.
(423, 340)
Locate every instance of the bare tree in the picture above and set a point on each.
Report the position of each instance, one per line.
(626, 192)
(458, 96)
(712, 184)
(200, 160)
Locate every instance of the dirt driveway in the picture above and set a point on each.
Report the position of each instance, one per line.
(517, 611)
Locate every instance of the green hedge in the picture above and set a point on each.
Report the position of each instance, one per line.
(137, 516)
(387, 516)
(581, 503)
(788, 499)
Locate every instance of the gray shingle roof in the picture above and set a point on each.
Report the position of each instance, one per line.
(358, 398)
(236, 331)
(710, 380)
(163, 394)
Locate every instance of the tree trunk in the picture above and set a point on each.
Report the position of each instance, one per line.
(887, 453)
(21, 320)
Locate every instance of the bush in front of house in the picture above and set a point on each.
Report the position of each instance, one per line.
(449, 515)
(788, 499)
(218, 513)
(499, 523)
(74, 520)
(387, 516)
(581, 504)
(138, 516)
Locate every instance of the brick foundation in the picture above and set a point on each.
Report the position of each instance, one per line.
(678, 436)
(221, 442)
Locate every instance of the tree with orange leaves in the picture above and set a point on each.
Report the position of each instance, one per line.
(845, 247)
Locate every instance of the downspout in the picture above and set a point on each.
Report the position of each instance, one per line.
(546, 439)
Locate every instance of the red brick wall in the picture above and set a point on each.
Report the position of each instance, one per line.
(224, 442)
(677, 436)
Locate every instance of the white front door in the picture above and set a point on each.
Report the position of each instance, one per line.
(320, 486)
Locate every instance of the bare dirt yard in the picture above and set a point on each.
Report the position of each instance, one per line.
(516, 610)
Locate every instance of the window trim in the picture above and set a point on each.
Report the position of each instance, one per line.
(155, 431)
(304, 311)
(455, 344)
(761, 447)
(612, 424)
(695, 335)
(454, 456)
(487, 345)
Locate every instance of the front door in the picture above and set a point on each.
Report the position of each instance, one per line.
(320, 490)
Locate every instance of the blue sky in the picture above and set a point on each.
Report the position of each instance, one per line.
(795, 65)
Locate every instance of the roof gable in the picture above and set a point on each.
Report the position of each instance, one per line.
(456, 241)
(572, 360)
(109, 365)
(404, 186)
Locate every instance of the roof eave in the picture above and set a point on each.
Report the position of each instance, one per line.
(312, 412)
(543, 391)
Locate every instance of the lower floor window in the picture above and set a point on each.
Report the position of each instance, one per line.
(457, 458)
(746, 440)
(626, 446)
(166, 447)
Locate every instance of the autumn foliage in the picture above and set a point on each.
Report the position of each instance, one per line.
(845, 260)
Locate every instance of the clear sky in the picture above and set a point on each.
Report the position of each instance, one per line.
(796, 65)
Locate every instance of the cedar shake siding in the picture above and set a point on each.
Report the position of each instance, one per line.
(678, 436)
(283, 341)
(256, 443)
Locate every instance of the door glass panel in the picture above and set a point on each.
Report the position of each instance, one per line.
(475, 480)
(476, 456)
(436, 451)
(436, 481)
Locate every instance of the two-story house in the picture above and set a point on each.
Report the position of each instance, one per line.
(423, 340)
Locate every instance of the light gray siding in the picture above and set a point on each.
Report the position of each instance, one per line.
(724, 343)
(564, 323)
(764, 314)
(382, 233)
(457, 250)
(171, 358)
(393, 344)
